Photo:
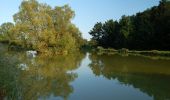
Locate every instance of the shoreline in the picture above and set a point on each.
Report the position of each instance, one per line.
(125, 52)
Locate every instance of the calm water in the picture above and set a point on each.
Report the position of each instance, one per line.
(83, 76)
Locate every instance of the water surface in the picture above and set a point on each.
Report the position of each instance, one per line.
(83, 76)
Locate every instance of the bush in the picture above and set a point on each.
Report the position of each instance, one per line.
(123, 50)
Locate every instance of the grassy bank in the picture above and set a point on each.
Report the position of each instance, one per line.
(124, 51)
(152, 53)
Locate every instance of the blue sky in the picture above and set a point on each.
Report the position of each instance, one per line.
(88, 12)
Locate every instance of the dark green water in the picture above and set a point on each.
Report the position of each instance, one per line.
(83, 76)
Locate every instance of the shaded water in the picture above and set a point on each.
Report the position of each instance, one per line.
(83, 76)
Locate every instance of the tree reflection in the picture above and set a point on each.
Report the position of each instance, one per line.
(46, 76)
(147, 75)
(8, 76)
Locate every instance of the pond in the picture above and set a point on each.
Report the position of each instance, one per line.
(83, 76)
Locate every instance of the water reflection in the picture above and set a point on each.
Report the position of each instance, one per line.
(45, 76)
(82, 77)
(8, 76)
(149, 76)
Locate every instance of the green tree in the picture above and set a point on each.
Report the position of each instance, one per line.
(161, 21)
(146, 30)
(6, 31)
(34, 24)
(97, 32)
(126, 28)
(111, 34)
(67, 33)
(107, 34)
(44, 29)
(142, 35)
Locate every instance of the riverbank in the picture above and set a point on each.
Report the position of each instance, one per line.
(152, 53)
(49, 51)
(124, 51)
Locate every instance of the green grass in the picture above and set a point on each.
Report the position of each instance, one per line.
(153, 54)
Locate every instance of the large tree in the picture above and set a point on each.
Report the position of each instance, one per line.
(97, 32)
(40, 27)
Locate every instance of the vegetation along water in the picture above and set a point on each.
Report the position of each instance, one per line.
(44, 57)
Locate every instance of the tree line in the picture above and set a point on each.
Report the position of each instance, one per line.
(147, 30)
(43, 28)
